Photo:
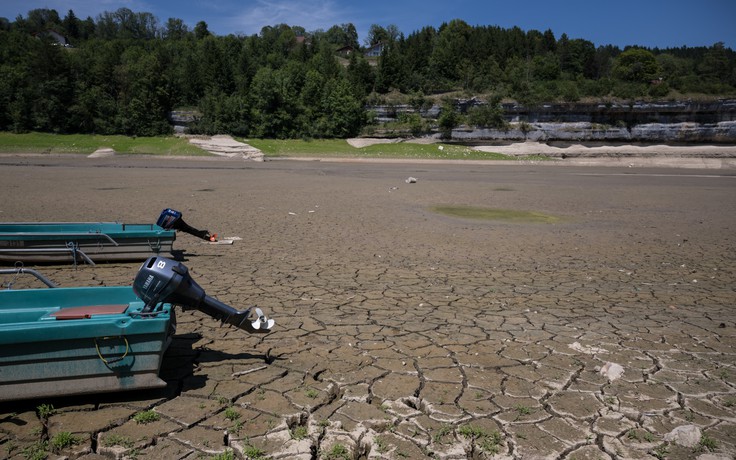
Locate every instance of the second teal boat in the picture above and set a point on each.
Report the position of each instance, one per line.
(90, 242)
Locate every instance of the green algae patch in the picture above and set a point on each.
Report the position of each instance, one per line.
(505, 215)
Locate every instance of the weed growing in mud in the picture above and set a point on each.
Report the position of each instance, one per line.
(36, 451)
(706, 443)
(338, 452)
(444, 430)
(45, 411)
(299, 433)
(117, 440)
(253, 452)
(660, 452)
(145, 417)
(487, 442)
(523, 410)
(231, 414)
(63, 440)
(381, 445)
(227, 455)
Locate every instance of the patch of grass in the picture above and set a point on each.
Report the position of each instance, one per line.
(253, 452)
(147, 416)
(299, 432)
(45, 411)
(88, 143)
(227, 455)
(231, 414)
(488, 442)
(507, 215)
(523, 410)
(36, 451)
(311, 393)
(301, 148)
(381, 445)
(338, 452)
(339, 148)
(660, 452)
(117, 440)
(444, 430)
(237, 426)
(63, 440)
(707, 443)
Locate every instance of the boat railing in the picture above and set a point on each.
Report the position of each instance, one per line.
(71, 248)
(56, 234)
(21, 270)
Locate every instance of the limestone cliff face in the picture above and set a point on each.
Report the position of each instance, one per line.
(719, 133)
(668, 122)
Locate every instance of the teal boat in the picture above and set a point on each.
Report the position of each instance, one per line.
(81, 340)
(70, 341)
(90, 242)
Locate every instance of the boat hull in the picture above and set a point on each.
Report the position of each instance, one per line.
(72, 341)
(60, 242)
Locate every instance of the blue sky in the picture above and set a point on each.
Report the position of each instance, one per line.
(651, 23)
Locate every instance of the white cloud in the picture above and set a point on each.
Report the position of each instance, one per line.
(311, 14)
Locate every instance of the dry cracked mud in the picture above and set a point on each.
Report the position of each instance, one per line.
(401, 333)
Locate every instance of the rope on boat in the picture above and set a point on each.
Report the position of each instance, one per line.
(111, 361)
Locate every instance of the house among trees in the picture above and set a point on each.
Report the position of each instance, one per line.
(345, 51)
(375, 50)
(58, 38)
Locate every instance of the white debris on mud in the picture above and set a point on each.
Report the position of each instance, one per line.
(226, 146)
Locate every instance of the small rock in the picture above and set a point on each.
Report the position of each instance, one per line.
(411, 180)
(685, 435)
(612, 371)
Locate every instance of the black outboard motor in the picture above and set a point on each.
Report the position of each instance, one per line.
(164, 280)
(170, 219)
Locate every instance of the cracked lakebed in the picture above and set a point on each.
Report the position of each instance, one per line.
(402, 333)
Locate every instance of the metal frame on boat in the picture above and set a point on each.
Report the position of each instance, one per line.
(90, 242)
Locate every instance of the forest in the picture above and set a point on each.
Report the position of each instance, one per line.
(124, 72)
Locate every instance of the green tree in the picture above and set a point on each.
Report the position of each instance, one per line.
(175, 29)
(275, 102)
(201, 30)
(636, 65)
(71, 25)
(449, 119)
(143, 99)
(488, 115)
(361, 75)
(390, 72)
(342, 113)
(380, 34)
(715, 65)
(577, 57)
(450, 54)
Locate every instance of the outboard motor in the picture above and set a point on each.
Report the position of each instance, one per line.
(170, 219)
(165, 280)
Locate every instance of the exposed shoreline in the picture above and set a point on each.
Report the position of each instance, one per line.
(706, 156)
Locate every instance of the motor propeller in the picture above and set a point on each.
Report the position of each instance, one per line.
(164, 280)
